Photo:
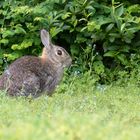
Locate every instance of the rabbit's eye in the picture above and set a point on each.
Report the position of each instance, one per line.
(59, 52)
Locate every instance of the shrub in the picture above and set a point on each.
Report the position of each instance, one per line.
(101, 36)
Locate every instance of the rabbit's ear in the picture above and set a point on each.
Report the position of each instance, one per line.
(45, 38)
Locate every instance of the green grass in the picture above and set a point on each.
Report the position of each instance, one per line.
(77, 111)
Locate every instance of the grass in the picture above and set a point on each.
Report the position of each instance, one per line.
(77, 111)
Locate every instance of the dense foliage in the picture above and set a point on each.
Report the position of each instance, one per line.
(102, 36)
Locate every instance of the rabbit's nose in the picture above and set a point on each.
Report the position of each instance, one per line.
(67, 63)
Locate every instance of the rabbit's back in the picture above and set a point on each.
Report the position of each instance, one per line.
(24, 65)
(28, 75)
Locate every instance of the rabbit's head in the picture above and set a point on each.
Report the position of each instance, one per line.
(56, 55)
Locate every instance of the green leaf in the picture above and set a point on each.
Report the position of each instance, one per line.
(110, 54)
(98, 67)
(102, 20)
(116, 35)
(122, 58)
(66, 15)
(119, 11)
(75, 23)
(133, 8)
(111, 39)
(25, 44)
(14, 46)
(113, 48)
(92, 25)
(124, 48)
(20, 30)
(4, 41)
(109, 27)
(54, 31)
(7, 33)
(123, 26)
(12, 56)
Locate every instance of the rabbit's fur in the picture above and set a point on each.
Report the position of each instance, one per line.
(30, 75)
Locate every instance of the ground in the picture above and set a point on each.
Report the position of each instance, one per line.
(73, 113)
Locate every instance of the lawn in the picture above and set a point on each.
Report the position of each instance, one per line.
(76, 112)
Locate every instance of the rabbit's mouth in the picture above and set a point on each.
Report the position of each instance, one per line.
(68, 63)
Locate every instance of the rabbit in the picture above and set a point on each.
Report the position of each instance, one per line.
(34, 76)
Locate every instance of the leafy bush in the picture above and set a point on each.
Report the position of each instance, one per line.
(102, 36)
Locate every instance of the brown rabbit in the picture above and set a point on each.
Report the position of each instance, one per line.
(30, 75)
